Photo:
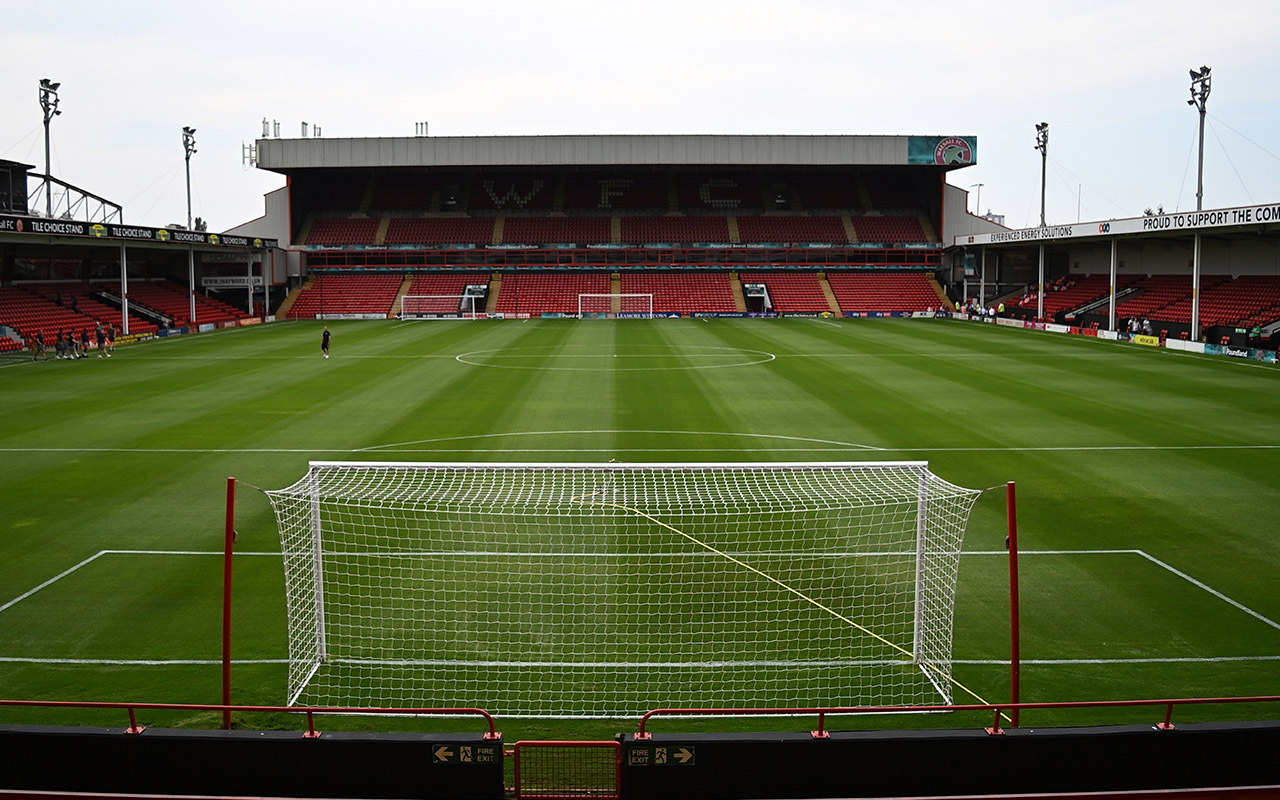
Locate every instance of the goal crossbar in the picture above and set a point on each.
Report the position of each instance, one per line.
(440, 306)
(603, 590)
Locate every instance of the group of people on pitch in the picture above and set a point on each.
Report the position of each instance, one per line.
(68, 346)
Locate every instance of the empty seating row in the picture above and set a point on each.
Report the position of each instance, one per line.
(533, 230)
(79, 297)
(174, 301)
(878, 229)
(683, 293)
(794, 292)
(871, 292)
(347, 294)
(535, 293)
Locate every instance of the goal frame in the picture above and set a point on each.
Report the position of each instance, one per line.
(462, 313)
(620, 313)
(315, 553)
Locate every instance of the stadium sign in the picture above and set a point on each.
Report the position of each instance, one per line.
(40, 226)
(950, 151)
(231, 281)
(1263, 214)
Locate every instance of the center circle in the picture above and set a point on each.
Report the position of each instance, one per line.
(623, 358)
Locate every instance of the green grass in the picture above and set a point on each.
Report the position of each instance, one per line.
(1167, 461)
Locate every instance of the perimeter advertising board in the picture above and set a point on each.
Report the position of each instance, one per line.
(40, 226)
(1262, 214)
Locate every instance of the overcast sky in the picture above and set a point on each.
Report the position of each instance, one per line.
(1110, 78)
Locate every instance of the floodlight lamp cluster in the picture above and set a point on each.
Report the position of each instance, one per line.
(1042, 136)
(1200, 86)
(189, 140)
(49, 98)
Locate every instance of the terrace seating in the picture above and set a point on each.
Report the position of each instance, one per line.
(440, 230)
(1069, 292)
(888, 191)
(675, 230)
(78, 296)
(512, 193)
(556, 230)
(1227, 302)
(29, 314)
(400, 192)
(792, 229)
(1158, 292)
(538, 293)
(877, 292)
(592, 192)
(347, 294)
(172, 300)
(827, 194)
(794, 292)
(873, 228)
(724, 193)
(446, 291)
(683, 293)
(327, 231)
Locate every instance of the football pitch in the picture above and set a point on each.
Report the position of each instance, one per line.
(1148, 488)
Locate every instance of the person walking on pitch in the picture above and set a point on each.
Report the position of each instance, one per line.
(324, 342)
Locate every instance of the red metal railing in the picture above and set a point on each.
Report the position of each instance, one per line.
(997, 709)
(311, 732)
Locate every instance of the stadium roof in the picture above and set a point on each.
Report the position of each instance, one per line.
(286, 155)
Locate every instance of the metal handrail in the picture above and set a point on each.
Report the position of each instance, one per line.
(996, 708)
(311, 733)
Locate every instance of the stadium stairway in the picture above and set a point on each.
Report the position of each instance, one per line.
(615, 288)
(283, 311)
(830, 295)
(495, 289)
(305, 231)
(927, 227)
(733, 230)
(849, 231)
(398, 303)
(735, 283)
(943, 300)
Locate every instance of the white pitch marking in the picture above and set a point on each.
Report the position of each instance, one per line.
(1210, 590)
(51, 581)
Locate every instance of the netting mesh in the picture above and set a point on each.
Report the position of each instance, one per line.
(608, 590)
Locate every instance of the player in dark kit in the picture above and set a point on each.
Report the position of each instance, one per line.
(324, 342)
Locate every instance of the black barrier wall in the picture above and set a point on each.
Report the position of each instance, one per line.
(925, 763)
(248, 763)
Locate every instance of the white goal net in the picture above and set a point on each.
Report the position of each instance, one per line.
(455, 306)
(615, 306)
(606, 590)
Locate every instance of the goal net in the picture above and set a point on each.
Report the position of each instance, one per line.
(606, 590)
(455, 306)
(615, 306)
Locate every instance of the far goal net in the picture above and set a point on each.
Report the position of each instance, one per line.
(457, 306)
(615, 306)
(607, 590)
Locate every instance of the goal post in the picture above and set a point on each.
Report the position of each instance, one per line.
(441, 306)
(607, 590)
(615, 305)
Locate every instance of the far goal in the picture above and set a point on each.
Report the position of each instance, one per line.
(615, 306)
(456, 306)
(607, 590)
